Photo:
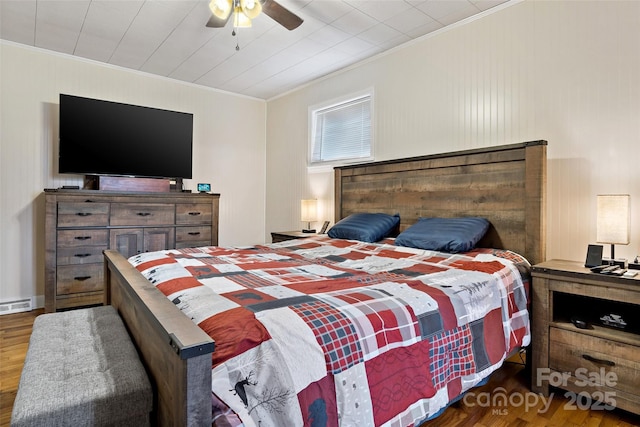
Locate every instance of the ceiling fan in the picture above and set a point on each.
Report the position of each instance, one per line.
(244, 11)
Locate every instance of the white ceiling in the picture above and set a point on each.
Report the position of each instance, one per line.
(169, 37)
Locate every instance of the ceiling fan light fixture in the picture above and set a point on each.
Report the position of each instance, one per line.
(251, 8)
(221, 8)
(240, 20)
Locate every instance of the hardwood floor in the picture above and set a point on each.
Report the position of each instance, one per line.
(15, 330)
(474, 410)
(482, 406)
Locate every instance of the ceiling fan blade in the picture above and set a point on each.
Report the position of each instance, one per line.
(281, 15)
(215, 22)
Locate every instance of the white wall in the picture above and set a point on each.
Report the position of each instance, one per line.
(567, 72)
(229, 150)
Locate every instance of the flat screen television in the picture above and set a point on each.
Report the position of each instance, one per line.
(109, 138)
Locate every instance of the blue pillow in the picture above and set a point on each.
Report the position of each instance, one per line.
(366, 227)
(451, 235)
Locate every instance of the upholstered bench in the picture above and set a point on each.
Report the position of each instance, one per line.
(82, 369)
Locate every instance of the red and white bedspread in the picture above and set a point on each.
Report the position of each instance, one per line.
(331, 332)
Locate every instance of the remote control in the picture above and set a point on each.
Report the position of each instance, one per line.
(599, 268)
(609, 269)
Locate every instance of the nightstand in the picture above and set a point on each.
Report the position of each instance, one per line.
(596, 363)
(281, 236)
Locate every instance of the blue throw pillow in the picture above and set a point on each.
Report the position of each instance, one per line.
(451, 235)
(365, 227)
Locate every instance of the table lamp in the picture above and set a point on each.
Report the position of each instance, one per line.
(309, 213)
(613, 222)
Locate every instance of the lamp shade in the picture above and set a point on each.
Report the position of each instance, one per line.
(251, 8)
(613, 219)
(309, 210)
(221, 8)
(240, 20)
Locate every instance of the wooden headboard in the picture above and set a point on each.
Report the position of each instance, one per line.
(505, 184)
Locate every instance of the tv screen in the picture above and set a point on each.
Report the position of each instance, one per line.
(108, 138)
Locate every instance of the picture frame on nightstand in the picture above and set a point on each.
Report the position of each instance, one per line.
(324, 227)
(594, 256)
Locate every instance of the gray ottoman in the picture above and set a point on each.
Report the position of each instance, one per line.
(82, 369)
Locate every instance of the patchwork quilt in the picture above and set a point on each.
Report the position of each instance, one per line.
(330, 332)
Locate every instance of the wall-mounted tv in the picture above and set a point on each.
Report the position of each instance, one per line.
(109, 138)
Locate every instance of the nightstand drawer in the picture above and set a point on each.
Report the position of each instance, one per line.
(71, 214)
(570, 351)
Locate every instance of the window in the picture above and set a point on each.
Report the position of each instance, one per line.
(341, 132)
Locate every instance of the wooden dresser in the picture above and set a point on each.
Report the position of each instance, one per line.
(80, 224)
(592, 362)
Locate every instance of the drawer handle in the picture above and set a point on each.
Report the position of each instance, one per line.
(82, 255)
(194, 233)
(194, 213)
(83, 237)
(83, 213)
(82, 278)
(144, 213)
(599, 361)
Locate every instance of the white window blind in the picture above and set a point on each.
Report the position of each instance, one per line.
(342, 131)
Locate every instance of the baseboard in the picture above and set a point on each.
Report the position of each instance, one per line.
(21, 305)
(16, 306)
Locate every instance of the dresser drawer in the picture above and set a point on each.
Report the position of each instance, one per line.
(193, 213)
(80, 278)
(87, 214)
(79, 300)
(78, 238)
(193, 236)
(142, 214)
(570, 351)
(80, 255)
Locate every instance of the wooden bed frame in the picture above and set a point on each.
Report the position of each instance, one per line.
(505, 184)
